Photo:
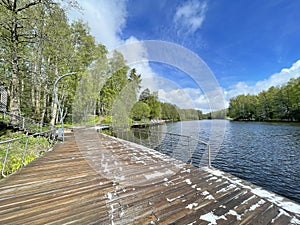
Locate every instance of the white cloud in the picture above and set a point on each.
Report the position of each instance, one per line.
(136, 56)
(195, 98)
(134, 50)
(186, 98)
(190, 16)
(106, 20)
(177, 97)
(276, 79)
(198, 98)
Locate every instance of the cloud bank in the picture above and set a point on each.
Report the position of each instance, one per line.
(276, 79)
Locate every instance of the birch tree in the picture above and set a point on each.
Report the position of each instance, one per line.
(17, 30)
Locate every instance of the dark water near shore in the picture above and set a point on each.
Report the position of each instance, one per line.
(266, 154)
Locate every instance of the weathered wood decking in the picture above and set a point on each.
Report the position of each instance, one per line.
(109, 181)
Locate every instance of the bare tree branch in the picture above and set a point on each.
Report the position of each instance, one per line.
(5, 26)
(29, 5)
(6, 4)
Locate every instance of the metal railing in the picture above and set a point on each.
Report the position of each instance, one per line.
(182, 147)
(2, 107)
(18, 152)
(22, 123)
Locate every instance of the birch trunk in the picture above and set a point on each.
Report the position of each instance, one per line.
(44, 105)
(14, 104)
(54, 113)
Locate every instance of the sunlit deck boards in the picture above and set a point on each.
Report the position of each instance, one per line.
(109, 181)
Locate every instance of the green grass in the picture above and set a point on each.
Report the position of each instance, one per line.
(91, 120)
(107, 120)
(36, 146)
(21, 151)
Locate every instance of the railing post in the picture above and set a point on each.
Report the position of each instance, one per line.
(5, 159)
(209, 160)
(140, 137)
(173, 152)
(58, 103)
(38, 145)
(189, 150)
(25, 150)
(169, 143)
(52, 136)
(149, 142)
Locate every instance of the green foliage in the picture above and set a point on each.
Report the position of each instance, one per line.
(37, 45)
(219, 114)
(190, 114)
(145, 95)
(124, 103)
(107, 120)
(114, 84)
(154, 105)
(7, 134)
(140, 111)
(148, 107)
(277, 103)
(169, 112)
(107, 132)
(16, 158)
(243, 107)
(172, 112)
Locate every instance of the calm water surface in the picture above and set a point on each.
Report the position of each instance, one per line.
(266, 154)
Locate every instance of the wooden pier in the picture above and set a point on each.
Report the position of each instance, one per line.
(97, 179)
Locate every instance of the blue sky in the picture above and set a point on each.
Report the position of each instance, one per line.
(249, 45)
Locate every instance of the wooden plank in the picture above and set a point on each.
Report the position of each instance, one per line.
(267, 216)
(70, 185)
(45, 207)
(282, 219)
(255, 214)
(231, 203)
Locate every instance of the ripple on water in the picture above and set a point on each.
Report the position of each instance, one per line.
(266, 154)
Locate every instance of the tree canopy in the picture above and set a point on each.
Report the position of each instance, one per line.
(277, 103)
(161, 110)
(140, 111)
(38, 44)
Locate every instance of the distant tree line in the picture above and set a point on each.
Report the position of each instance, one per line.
(219, 114)
(277, 103)
(149, 107)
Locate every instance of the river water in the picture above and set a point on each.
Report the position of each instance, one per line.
(265, 154)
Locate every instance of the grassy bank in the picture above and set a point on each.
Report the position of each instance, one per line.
(18, 149)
